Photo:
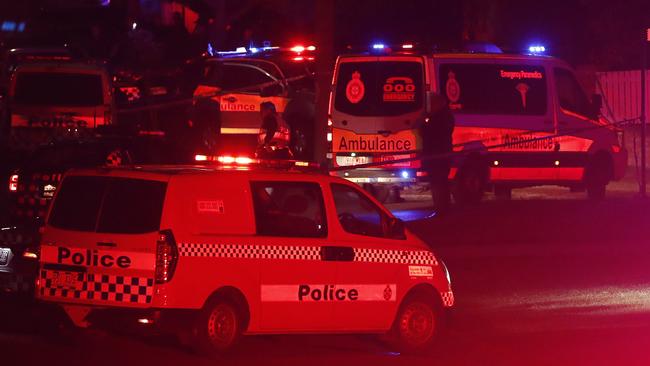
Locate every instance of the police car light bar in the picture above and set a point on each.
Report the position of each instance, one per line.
(244, 161)
(378, 46)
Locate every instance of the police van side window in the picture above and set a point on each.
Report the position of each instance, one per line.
(356, 213)
(570, 94)
(291, 209)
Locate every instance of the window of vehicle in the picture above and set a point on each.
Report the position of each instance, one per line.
(386, 88)
(570, 94)
(64, 89)
(132, 206)
(507, 89)
(128, 206)
(357, 214)
(231, 76)
(293, 209)
(77, 203)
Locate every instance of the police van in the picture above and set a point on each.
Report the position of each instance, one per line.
(521, 120)
(224, 251)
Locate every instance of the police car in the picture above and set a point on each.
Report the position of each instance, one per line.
(224, 251)
(235, 83)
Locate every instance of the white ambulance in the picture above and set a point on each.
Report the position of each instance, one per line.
(521, 120)
(225, 251)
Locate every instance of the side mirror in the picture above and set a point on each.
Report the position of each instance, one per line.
(396, 229)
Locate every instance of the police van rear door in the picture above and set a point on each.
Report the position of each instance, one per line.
(99, 245)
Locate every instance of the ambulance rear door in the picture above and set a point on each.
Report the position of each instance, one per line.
(378, 98)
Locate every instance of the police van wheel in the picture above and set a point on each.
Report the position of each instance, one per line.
(218, 327)
(416, 326)
(470, 182)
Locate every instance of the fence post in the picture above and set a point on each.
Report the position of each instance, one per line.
(644, 60)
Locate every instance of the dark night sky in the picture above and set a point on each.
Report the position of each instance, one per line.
(606, 33)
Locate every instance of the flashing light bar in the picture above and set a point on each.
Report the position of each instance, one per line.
(378, 46)
(407, 46)
(536, 49)
(246, 161)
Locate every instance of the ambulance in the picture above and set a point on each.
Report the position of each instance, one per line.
(521, 120)
(219, 251)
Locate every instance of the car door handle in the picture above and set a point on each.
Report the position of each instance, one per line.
(106, 244)
(337, 254)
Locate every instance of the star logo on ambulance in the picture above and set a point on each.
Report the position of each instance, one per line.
(355, 89)
(523, 90)
(388, 293)
(452, 89)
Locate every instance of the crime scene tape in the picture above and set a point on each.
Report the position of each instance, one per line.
(484, 148)
(190, 100)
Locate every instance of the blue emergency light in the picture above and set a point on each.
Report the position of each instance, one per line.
(378, 46)
(536, 49)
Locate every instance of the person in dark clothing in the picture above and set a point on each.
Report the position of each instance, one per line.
(274, 136)
(436, 135)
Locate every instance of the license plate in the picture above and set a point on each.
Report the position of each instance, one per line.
(389, 158)
(66, 280)
(352, 160)
(4, 256)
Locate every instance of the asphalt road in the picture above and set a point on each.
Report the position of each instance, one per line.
(538, 281)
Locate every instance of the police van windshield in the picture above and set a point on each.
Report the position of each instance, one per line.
(509, 89)
(58, 89)
(385, 88)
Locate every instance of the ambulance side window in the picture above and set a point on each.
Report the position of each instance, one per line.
(293, 209)
(570, 94)
(356, 213)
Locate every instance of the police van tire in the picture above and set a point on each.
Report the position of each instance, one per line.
(470, 182)
(417, 325)
(218, 327)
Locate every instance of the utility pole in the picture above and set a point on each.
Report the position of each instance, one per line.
(644, 61)
(324, 65)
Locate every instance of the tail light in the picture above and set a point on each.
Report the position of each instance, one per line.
(13, 183)
(166, 256)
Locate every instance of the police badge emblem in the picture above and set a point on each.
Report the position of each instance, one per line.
(355, 89)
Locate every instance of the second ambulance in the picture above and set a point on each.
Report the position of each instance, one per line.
(521, 120)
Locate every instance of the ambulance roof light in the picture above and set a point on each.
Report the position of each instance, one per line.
(536, 49)
(407, 46)
(378, 46)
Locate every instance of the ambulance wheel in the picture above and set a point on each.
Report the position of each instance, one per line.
(417, 325)
(218, 327)
(380, 191)
(469, 184)
(597, 175)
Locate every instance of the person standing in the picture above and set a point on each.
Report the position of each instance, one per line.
(274, 136)
(437, 144)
